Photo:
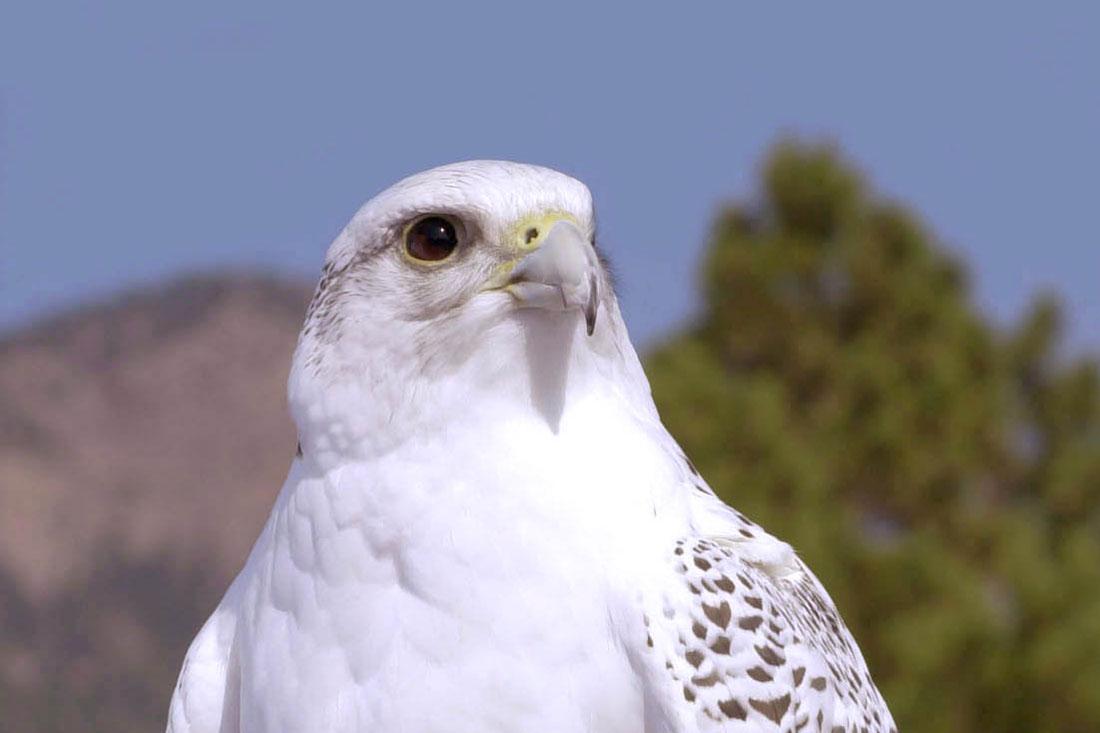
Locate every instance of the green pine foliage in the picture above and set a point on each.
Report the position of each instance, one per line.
(940, 473)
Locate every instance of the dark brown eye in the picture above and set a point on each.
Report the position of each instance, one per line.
(431, 239)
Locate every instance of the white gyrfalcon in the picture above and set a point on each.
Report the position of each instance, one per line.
(487, 527)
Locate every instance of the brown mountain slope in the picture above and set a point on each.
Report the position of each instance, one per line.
(142, 442)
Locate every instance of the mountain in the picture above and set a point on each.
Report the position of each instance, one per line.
(142, 442)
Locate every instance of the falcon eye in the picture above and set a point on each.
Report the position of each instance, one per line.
(431, 239)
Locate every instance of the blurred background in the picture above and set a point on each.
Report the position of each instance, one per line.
(856, 247)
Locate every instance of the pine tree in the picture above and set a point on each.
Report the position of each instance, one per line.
(941, 474)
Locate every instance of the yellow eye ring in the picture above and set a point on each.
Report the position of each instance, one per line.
(431, 239)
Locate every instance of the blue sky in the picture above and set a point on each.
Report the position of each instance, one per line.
(138, 140)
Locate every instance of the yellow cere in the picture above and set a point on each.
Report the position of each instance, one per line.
(525, 237)
(528, 233)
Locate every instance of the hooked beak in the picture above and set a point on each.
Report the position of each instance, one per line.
(560, 275)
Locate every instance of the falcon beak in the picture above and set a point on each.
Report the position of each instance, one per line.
(560, 275)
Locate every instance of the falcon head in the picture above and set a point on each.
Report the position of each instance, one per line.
(448, 244)
(477, 282)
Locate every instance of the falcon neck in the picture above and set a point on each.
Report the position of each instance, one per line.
(362, 398)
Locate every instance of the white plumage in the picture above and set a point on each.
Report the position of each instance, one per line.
(487, 527)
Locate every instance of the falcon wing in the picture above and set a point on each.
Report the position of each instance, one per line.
(206, 695)
(750, 640)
